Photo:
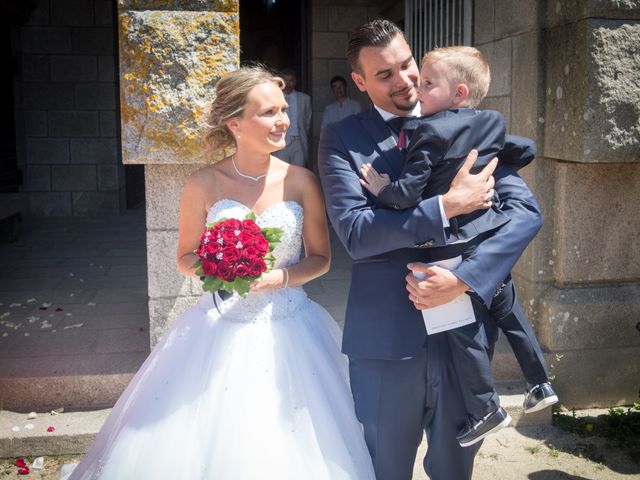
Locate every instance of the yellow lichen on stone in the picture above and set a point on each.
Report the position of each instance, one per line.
(169, 63)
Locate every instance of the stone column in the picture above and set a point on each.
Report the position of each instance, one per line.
(589, 311)
(171, 54)
(566, 73)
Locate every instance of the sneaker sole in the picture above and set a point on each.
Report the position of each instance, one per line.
(542, 404)
(500, 426)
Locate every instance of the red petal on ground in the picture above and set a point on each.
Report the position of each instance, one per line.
(50, 429)
(42, 308)
(20, 462)
(23, 471)
(59, 309)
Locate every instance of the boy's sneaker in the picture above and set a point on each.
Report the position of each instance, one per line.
(476, 431)
(538, 397)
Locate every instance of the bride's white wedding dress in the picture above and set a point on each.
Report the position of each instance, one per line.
(254, 389)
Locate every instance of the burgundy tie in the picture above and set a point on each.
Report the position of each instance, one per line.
(402, 140)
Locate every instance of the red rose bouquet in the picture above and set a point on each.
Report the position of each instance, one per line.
(234, 253)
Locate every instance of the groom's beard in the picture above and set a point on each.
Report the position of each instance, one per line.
(405, 104)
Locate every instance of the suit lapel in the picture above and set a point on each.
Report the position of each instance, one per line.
(384, 141)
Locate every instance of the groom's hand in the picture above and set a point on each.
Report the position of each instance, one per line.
(439, 287)
(469, 192)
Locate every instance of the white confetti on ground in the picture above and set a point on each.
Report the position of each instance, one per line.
(75, 325)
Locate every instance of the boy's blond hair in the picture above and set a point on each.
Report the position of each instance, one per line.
(464, 65)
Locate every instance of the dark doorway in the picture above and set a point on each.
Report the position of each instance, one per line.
(275, 32)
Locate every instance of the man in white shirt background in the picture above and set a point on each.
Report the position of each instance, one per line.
(297, 150)
(343, 106)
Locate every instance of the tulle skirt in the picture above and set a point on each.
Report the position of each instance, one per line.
(255, 388)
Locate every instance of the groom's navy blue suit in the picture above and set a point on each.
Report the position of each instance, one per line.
(402, 380)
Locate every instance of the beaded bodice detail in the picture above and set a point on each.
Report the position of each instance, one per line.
(269, 305)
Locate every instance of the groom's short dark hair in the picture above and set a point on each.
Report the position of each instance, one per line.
(377, 33)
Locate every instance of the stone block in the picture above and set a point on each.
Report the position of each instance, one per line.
(484, 20)
(498, 56)
(94, 150)
(38, 178)
(35, 123)
(74, 68)
(164, 278)
(527, 76)
(513, 18)
(571, 11)
(185, 5)
(73, 178)
(597, 377)
(319, 19)
(47, 150)
(108, 123)
(106, 68)
(321, 98)
(163, 188)
(47, 95)
(164, 311)
(95, 203)
(340, 66)
(592, 317)
(107, 177)
(53, 204)
(346, 18)
(595, 209)
(591, 98)
(191, 51)
(93, 41)
(320, 75)
(40, 14)
(328, 45)
(502, 105)
(45, 40)
(95, 96)
(104, 12)
(35, 68)
(73, 123)
(76, 13)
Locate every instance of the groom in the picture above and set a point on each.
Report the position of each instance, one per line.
(404, 382)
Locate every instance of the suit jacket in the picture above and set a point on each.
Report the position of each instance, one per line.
(303, 117)
(438, 148)
(381, 322)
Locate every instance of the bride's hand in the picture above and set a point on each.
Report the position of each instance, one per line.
(270, 280)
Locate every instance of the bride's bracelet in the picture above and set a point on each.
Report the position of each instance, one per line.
(286, 277)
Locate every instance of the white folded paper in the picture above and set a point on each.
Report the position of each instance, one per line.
(457, 313)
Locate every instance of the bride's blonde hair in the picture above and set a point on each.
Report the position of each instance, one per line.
(231, 98)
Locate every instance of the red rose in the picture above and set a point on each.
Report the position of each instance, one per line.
(229, 237)
(232, 224)
(231, 254)
(209, 267)
(257, 267)
(225, 271)
(250, 226)
(250, 253)
(262, 245)
(242, 269)
(212, 248)
(246, 238)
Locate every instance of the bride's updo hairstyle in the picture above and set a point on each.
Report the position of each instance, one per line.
(231, 97)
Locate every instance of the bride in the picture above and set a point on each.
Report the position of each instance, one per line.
(243, 388)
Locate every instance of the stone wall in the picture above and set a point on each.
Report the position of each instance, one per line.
(566, 73)
(171, 55)
(66, 98)
(331, 22)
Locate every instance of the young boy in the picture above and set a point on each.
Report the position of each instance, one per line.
(454, 82)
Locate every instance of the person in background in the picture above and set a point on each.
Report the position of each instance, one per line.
(343, 106)
(296, 151)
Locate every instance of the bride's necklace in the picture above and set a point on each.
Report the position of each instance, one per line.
(244, 175)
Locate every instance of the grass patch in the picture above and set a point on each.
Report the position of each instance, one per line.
(620, 425)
